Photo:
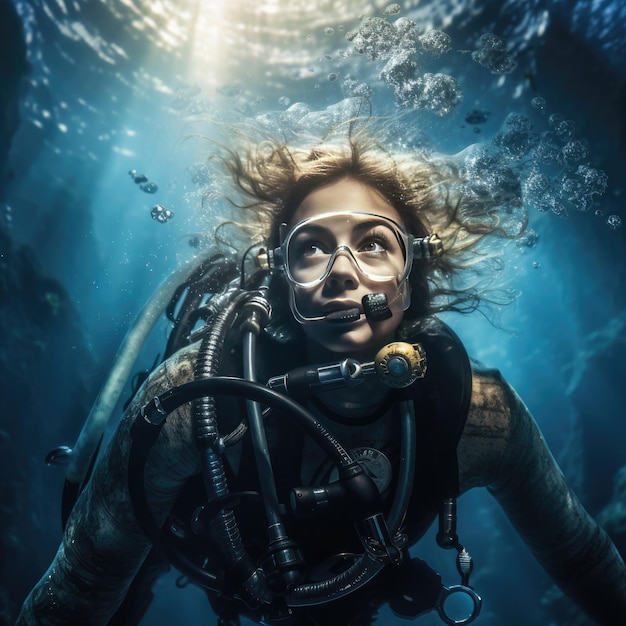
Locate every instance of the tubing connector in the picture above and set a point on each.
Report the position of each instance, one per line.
(256, 312)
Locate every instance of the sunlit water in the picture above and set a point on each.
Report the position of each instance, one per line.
(116, 89)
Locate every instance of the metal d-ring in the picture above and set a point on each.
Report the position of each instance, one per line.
(446, 593)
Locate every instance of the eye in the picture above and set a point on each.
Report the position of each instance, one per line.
(375, 242)
(373, 246)
(311, 249)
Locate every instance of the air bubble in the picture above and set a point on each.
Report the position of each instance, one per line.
(614, 222)
(149, 187)
(546, 151)
(538, 103)
(138, 178)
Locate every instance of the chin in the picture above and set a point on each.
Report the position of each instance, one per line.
(355, 338)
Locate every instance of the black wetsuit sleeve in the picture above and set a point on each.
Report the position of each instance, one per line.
(573, 549)
(103, 546)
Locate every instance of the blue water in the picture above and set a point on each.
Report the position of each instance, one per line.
(119, 87)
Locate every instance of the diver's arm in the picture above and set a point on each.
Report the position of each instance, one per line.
(521, 473)
(103, 546)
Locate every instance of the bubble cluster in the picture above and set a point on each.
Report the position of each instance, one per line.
(161, 214)
(440, 93)
(400, 44)
(491, 53)
(392, 9)
(354, 88)
(517, 138)
(376, 38)
(529, 239)
(398, 71)
(494, 185)
(435, 42)
(143, 182)
(551, 165)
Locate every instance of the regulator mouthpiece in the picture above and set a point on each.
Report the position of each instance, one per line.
(375, 307)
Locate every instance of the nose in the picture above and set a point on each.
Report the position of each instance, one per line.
(343, 273)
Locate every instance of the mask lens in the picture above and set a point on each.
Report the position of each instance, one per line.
(376, 246)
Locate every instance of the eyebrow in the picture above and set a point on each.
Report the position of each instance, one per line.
(361, 226)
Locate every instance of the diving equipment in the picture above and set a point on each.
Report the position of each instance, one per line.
(274, 584)
(279, 577)
(377, 246)
(375, 308)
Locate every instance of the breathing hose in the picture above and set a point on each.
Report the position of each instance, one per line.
(251, 581)
(223, 525)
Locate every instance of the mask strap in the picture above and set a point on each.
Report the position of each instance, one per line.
(429, 247)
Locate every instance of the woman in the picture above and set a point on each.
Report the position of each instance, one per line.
(355, 265)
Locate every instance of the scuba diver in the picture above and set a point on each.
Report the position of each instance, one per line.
(313, 417)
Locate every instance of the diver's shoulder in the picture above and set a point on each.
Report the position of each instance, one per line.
(490, 404)
(486, 373)
(488, 428)
(176, 370)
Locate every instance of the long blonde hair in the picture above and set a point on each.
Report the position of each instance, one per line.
(271, 178)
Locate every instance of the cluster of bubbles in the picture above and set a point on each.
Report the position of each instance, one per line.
(161, 214)
(493, 185)
(144, 183)
(399, 43)
(525, 167)
(403, 47)
(491, 53)
(158, 212)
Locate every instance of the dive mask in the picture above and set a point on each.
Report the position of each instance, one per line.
(378, 247)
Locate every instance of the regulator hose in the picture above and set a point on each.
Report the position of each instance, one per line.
(366, 567)
(223, 525)
(150, 420)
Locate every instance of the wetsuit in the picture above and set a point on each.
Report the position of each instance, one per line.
(500, 448)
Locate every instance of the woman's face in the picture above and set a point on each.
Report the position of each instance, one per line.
(369, 263)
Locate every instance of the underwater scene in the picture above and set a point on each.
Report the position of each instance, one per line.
(106, 191)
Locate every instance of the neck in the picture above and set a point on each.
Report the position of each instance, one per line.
(350, 402)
